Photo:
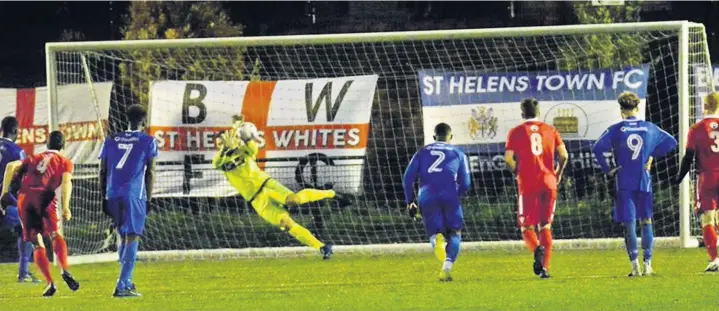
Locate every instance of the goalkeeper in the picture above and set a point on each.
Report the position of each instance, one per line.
(237, 159)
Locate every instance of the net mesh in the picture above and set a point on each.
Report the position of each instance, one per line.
(213, 220)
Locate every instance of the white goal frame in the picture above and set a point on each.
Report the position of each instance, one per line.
(681, 27)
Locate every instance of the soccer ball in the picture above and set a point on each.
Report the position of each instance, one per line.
(247, 131)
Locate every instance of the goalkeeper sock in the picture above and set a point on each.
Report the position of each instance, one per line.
(60, 248)
(530, 239)
(312, 195)
(437, 242)
(452, 247)
(545, 239)
(647, 241)
(710, 240)
(630, 239)
(25, 250)
(305, 237)
(43, 263)
(129, 256)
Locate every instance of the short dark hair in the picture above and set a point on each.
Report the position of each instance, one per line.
(56, 141)
(9, 125)
(628, 100)
(529, 107)
(442, 130)
(136, 114)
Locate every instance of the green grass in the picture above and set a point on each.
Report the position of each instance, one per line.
(582, 280)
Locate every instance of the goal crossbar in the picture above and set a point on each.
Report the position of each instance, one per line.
(369, 37)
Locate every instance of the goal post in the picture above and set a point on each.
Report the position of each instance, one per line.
(313, 139)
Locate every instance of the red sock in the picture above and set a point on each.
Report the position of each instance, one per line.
(710, 240)
(530, 239)
(60, 248)
(545, 239)
(42, 263)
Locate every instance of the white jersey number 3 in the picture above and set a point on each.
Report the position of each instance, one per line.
(536, 141)
(434, 168)
(714, 135)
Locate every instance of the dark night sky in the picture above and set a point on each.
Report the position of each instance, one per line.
(26, 26)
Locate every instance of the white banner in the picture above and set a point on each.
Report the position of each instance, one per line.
(314, 132)
(77, 119)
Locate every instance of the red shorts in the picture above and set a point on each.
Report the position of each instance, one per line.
(707, 191)
(536, 207)
(38, 214)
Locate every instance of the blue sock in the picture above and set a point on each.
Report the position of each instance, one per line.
(453, 247)
(647, 241)
(129, 256)
(630, 239)
(24, 253)
(121, 249)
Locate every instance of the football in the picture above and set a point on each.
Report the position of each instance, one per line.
(247, 131)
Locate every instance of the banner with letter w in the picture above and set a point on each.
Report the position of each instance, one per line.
(313, 132)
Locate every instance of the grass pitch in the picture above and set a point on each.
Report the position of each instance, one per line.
(582, 280)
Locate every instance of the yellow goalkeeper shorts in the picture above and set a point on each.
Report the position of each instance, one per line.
(269, 201)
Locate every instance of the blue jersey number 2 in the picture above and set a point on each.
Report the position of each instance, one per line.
(434, 168)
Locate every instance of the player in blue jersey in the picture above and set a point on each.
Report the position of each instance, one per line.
(443, 172)
(634, 144)
(127, 175)
(9, 216)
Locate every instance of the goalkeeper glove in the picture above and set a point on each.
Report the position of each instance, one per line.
(412, 210)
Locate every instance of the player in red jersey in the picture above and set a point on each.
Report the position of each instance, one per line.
(703, 145)
(533, 145)
(43, 181)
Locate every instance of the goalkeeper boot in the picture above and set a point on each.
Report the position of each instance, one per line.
(648, 267)
(49, 290)
(326, 251)
(635, 269)
(713, 266)
(28, 278)
(73, 284)
(538, 258)
(344, 199)
(445, 276)
(544, 274)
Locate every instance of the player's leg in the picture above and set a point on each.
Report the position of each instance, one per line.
(132, 225)
(547, 205)
(527, 226)
(433, 224)
(645, 212)
(454, 222)
(707, 205)
(24, 249)
(52, 227)
(284, 196)
(32, 226)
(625, 214)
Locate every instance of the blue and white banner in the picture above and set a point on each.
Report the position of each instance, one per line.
(482, 107)
(701, 83)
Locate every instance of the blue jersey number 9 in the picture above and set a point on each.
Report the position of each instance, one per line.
(635, 143)
(434, 168)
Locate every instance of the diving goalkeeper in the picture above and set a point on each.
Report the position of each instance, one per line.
(236, 157)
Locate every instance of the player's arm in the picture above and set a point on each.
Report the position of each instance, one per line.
(603, 144)
(688, 159)
(463, 179)
(150, 173)
(250, 148)
(103, 177)
(6, 196)
(563, 155)
(410, 175)
(66, 191)
(509, 153)
(665, 143)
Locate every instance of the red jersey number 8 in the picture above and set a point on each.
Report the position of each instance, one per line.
(42, 166)
(536, 141)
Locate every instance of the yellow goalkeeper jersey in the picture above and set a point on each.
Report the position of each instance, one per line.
(240, 168)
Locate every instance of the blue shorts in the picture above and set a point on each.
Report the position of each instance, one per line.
(440, 213)
(633, 205)
(129, 215)
(11, 219)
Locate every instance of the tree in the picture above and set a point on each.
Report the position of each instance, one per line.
(604, 50)
(179, 20)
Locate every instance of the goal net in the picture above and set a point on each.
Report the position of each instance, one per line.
(348, 112)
